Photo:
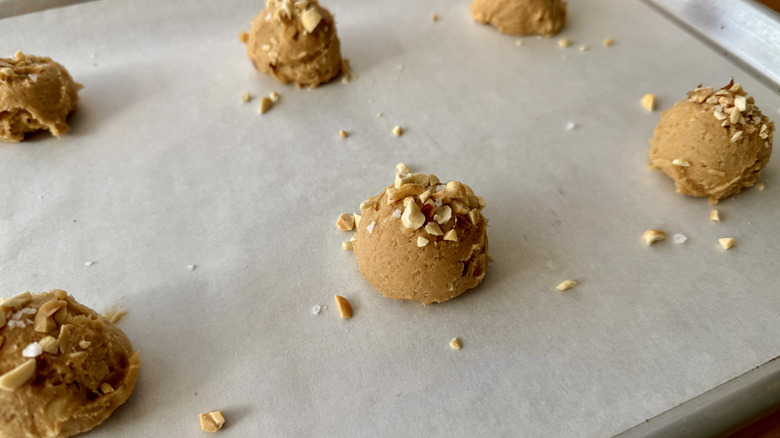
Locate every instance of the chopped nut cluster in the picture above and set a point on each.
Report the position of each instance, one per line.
(736, 111)
(651, 236)
(209, 422)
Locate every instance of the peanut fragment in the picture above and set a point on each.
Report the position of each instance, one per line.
(421, 241)
(403, 168)
(212, 421)
(456, 344)
(681, 163)
(564, 42)
(49, 345)
(105, 388)
(346, 246)
(357, 219)
(474, 217)
(246, 97)
(84, 344)
(345, 309)
(412, 218)
(566, 285)
(398, 131)
(433, 229)
(265, 105)
(451, 235)
(406, 190)
(726, 242)
(648, 101)
(15, 302)
(608, 42)
(310, 19)
(443, 214)
(49, 314)
(714, 215)
(18, 376)
(651, 236)
(343, 134)
(345, 222)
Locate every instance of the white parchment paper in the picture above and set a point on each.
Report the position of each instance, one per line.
(165, 167)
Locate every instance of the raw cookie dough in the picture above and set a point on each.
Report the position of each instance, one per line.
(84, 368)
(521, 17)
(422, 240)
(295, 42)
(713, 143)
(36, 94)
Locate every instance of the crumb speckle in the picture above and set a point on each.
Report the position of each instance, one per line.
(246, 97)
(397, 131)
(455, 344)
(434, 17)
(608, 42)
(343, 134)
(714, 215)
(726, 242)
(760, 186)
(566, 285)
(564, 42)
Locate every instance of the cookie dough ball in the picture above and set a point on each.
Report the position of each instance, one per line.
(422, 240)
(63, 368)
(36, 94)
(713, 143)
(295, 42)
(521, 17)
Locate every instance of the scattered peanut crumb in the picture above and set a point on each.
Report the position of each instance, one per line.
(608, 42)
(421, 241)
(726, 242)
(84, 344)
(246, 97)
(456, 344)
(379, 114)
(451, 236)
(106, 388)
(113, 314)
(714, 215)
(519, 43)
(564, 42)
(434, 17)
(648, 101)
(243, 37)
(274, 96)
(583, 48)
(265, 105)
(345, 309)
(212, 421)
(651, 236)
(566, 285)
(397, 131)
(345, 222)
(346, 246)
(760, 186)
(681, 163)
(343, 134)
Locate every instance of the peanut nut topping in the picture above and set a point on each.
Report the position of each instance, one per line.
(451, 236)
(211, 421)
(346, 246)
(443, 214)
(412, 218)
(310, 19)
(681, 163)
(357, 219)
(49, 345)
(16, 302)
(17, 377)
(406, 190)
(84, 344)
(433, 229)
(459, 207)
(402, 168)
(424, 196)
(398, 131)
(726, 242)
(648, 101)
(566, 285)
(455, 344)
(474, 217)
(105, 388)
(345, 309)
(422, 241)
(345, 222)
(714, 215)
(265, 105)
(737, 136)
(564, 42)
(651, 236)
(49, 315)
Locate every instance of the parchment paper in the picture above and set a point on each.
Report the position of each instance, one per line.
(165, 167)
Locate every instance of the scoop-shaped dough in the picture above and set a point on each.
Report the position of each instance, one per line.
(88, 371)
(36, 94)
(713, 143)
(521, 17)
(295, 42)
(428, 251)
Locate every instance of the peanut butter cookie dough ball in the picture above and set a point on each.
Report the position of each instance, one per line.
(422, 240)
(63, 368)
(713, 143)
(36, 94)
(295, 42)
(521, 17)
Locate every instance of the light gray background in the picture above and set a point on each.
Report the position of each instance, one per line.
(165, 167)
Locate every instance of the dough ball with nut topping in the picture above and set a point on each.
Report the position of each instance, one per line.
(421, 239)
(63, 368)
(295, 42)
(521, 17)
(36, 94)
(712, 143)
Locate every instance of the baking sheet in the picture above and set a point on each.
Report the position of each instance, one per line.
(165, 168)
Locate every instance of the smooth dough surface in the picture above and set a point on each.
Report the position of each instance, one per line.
(92, 371)
(389, 256)
(707, 149)
(295, 42)
(36, 94)
(521, 17)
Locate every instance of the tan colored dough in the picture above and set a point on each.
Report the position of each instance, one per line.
(705, 158)
(295, 42)
(521, 17)
(36, 94)
(422, 264)
(93, 371)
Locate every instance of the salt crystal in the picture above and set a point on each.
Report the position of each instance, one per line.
(191, 267)
(397, 212)
(679, 238)
(370, 227)
(32, 350)
(88, 263)
(28, 311)
(570, 126)
(437, 203)
(316, 309)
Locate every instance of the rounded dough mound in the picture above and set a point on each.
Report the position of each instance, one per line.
(295, 42)
(521, 17)
(387, 251)
(713, 143)
(36, 94)
(91, 371)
